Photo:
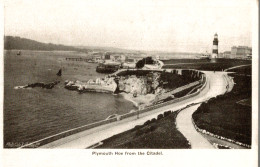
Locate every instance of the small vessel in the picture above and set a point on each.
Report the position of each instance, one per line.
(19, 53)
(59, 73)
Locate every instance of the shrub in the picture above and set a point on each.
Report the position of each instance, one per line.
(147, 122)
(166, 113)
(153, 120)
(146, 60)
(160, 116)
(152, 128)
(138, 127)
(139, 132)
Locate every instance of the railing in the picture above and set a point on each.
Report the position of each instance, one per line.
(218, 137)
(67, 133)
(107, 121)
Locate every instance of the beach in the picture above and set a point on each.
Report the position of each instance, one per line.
(140, 99)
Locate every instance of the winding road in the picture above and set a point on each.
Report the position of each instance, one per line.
(216, 85)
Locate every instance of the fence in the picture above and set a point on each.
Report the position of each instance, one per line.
(107, 121)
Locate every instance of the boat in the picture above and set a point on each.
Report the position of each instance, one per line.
(19, 53)
(59, 73)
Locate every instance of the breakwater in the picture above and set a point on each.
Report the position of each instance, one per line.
(77, 59)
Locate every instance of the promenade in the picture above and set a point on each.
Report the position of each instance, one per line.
(92, 136)
(217, 85)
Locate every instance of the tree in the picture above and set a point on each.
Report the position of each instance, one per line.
(146, 60)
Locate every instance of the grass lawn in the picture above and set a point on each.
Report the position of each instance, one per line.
(202, 64)
(224, 116)
(245, 70)
(156, 133)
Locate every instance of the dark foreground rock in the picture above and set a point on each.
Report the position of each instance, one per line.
(42, 85)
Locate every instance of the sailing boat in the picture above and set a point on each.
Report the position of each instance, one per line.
(19, 53)
(59, 73)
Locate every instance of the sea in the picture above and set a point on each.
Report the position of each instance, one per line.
(34, 113)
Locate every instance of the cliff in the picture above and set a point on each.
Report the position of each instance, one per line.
(139, 85)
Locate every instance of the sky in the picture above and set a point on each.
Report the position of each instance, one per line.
(162, 25)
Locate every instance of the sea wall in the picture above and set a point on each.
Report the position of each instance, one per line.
(118, 118)
(67, 133)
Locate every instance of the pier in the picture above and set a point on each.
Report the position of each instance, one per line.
(77, 59)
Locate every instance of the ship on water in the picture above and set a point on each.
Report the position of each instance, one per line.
(19, 53)
(59, 73)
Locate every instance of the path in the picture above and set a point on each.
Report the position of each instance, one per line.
(185, 126)
(92, 136)
(237, 67)
(217, 85)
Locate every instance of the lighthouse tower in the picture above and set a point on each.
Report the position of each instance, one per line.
(215, 48)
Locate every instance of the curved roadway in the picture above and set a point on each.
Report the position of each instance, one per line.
(215, 86)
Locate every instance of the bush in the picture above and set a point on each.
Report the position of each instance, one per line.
(139, 132)
(160, 116)
(166, 113)
(138, 127)
(152, 128)
(147, 122)
(146, 60)
(153, 120)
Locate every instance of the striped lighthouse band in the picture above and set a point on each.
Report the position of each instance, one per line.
(215, 51)
(215, 41)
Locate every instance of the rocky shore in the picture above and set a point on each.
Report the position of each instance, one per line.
(106, 84)
(141, 87)
(39, 84)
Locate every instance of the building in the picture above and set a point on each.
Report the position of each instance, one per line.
(241, 52)
(107, 56)
(220, 55)
(227, 54)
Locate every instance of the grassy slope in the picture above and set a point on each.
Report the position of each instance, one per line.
(201, 64)
(229, 118)
(160, 133)
(224, 117)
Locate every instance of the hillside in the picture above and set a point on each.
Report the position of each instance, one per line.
(18, 43)
(110, 49)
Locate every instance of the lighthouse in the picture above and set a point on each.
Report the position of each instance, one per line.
(215, 48)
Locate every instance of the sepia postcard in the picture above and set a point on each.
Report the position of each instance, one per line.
(129, 82)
